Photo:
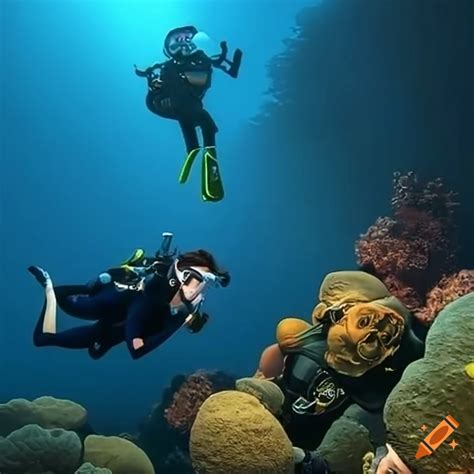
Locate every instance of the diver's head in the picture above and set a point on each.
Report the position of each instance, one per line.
(196, 271)
(179, 42)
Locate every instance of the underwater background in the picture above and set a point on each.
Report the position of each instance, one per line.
(333, 97)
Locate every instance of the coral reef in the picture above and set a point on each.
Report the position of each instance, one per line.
(47, 412)
(447, 290)
(415, 251)
(233, 432)
(43, 438)
(164, 435)
(32, 449)
(117, 454)
(435, 387)
(187, 400)
(88, 468)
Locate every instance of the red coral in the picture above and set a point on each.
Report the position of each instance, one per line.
(187, 401)
(415, 248)
(446, 291)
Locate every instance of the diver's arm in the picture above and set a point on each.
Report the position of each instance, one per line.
(149, 70)
(150, 343)
(229, 67)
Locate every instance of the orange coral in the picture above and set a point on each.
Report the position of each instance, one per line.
(446, 291)
(187, 401)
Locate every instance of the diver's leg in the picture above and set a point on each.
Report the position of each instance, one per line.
(76, 338)
(75, 301)
(208, 127)
(188, 129)
(106, 338)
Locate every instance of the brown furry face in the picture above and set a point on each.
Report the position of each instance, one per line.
(363, 338)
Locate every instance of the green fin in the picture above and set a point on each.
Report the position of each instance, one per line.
(137, 255)
(212, 188)
(188, 163)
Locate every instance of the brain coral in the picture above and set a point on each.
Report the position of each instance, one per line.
(234, 433)
(117, 454)
(47, 412)
(32, 449)
(438, 385)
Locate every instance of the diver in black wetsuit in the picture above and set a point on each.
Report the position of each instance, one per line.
(143, 311)
(176, 92)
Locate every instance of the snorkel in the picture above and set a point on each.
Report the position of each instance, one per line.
(164, 253)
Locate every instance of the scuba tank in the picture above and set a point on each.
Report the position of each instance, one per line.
(133, 271)
(164, 253)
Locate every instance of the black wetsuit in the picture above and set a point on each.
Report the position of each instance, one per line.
(180, 100)
(306, 372)
(119, 316)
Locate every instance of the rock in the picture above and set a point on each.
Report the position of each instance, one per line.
(35, 450)
(345, 445)
(234, 433)
(47, 412)
(117, 454)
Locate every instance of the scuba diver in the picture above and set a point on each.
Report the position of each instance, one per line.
(176, 89)
(143, 302)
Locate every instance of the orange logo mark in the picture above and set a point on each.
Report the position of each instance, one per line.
(437, 437)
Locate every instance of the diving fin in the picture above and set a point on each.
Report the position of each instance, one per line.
(212, 188)
(188, 163)
(137, 255)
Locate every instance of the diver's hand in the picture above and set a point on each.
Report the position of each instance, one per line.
(224, 47)
(196, 322)
(137, 343)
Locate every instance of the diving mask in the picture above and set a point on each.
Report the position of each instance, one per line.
(194, 281)
(179, 42)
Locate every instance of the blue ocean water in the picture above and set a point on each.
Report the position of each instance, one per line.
(88, 173)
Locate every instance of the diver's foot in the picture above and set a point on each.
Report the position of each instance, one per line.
(269, 393)
(42, 276)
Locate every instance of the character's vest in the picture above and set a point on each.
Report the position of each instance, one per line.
(314, 389)
(311, 387)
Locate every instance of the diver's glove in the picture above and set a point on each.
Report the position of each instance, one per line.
(198, 321)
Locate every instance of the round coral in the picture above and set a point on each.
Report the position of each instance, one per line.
(234, 433)
(434, 387)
